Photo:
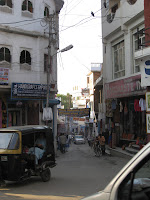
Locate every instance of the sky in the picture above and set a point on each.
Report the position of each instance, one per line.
(79, 28)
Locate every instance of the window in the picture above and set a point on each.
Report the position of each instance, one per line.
(5, 54)
(119, 60)
(137, 183)
(6, 3)
(27, 6)
(138, 42)
(139, 39)
(136, 66)
(9, 141)
(25, 57)
(46, 12)
(45, 62)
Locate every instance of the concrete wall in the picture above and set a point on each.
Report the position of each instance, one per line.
(127, 19)
(124, 15)
(31, 34)
(33, 21)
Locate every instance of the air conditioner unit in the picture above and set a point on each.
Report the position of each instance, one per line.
(110, 17)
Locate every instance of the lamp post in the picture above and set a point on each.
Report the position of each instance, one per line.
(50, 61)
(48, 92)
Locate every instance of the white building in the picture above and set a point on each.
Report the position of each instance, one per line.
(24, 43)
(92, 76)
(79, 101)
(121, 21)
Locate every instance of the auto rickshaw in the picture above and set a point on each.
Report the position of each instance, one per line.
(16, 163)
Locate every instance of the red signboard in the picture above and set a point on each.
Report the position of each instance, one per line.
(124, 87)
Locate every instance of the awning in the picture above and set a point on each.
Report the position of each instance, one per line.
(52, 102)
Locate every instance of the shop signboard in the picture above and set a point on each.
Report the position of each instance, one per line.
(148, 123)
(74, 112)
(147, 112)
(145, 72)
(78, 119)
(0, 114)
(85, 91)
(4, 73)
(28, 90)
(124, 88)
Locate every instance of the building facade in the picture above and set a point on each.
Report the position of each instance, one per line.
(123, 32)
(92, 76)
(24, 44)
(78, 97)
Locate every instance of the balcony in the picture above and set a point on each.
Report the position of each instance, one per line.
(142, 53)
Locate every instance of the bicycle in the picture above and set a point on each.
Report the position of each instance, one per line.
(97, 149)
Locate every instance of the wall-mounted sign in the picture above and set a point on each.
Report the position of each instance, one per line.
(28, 90)
(4, 73)
(124, 87)
(145, 73)
(85, 91)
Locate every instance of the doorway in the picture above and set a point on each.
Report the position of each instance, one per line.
(15, 117)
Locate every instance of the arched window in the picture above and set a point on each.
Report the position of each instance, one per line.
(6, 3)
(5, 54)
(25, 57)
(27, 6)
(46, 12)
(131, 1)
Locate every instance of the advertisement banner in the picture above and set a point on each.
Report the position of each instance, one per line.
(4, 73)
(145, 73)
(74, 112)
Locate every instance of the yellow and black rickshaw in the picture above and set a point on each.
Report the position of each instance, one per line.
(16, 163)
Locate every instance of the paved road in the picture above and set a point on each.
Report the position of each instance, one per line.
(78, 173)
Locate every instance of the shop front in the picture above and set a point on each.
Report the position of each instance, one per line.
(125, 110)
(23, 105)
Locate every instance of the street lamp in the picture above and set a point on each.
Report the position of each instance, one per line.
(66, 48)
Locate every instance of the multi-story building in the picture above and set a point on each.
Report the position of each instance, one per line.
(123, 32)
(78, 98)
(92, 76)
(28, 29)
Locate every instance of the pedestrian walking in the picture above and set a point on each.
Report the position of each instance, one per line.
(62, 142)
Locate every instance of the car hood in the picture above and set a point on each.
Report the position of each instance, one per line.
(98, 196)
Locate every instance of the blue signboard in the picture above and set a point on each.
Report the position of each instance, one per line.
(28, 90)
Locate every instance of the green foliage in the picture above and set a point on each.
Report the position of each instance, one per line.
(66, 100)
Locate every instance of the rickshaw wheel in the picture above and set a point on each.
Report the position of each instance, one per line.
(46, 175)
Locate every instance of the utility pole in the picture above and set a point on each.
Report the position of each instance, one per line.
(49, 60)
(50, 57)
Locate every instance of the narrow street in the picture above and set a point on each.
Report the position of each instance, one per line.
(78, 173)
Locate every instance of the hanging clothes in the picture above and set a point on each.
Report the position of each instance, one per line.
(113, 104)
(142, 104)
(137, 108)
(121, 107)
(125, 109)
(47, 114)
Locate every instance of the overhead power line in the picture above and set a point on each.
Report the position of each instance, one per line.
(17, 22)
